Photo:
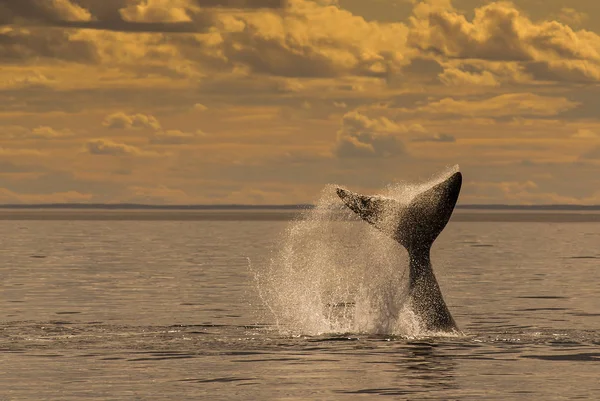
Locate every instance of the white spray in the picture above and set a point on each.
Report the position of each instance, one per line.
(335, 274)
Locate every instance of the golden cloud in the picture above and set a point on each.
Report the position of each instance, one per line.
(19, 152)
(108, 147)
(585, 133)
(46, 11)
(335, 42)
(41, 132)
(434, 138)
(591, 154)
(511, 104)
(500, 32)
(67, 11)
(458, 77)
(20, 44)
(159, 11)
(121, 120)
(362, 136)
(572, 17)
(312, 39)
(292, 73)
(10, 197)
(32, 79)
(175, 137)
(520, 192)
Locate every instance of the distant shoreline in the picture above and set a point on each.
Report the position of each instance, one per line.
(135, 206)
(239, 215)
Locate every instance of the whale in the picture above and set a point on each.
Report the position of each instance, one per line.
(415, 225)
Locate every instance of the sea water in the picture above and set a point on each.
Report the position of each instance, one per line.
(171, 308)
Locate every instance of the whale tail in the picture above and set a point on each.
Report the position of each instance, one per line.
(415, 225)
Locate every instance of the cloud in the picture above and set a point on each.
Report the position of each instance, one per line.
(13, 131)
(127, 15)
(107, 147)
(18, 44)
(361, 136)
(173, 11)
(45, 132)
(334, 43)
(175, 137)
(479, 105)
(423, 66)
(510, 104)
(19, 152)
(484, 73)
(299, 156)
(519, 192)
(121, 120)
(435, 138)
(591, 154)
(290, 85)
(30, 80)
(574, 71)
(458, 77)
(10, 197)
(67, 11)
(572, 17)
(7, 167)
(584, 133)
(249, 4)
(500, 32)
(42, 132)
(306, 39)
(43, 11)
(283, 44)
(158, 11)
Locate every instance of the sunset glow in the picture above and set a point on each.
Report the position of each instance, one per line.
(262, 102)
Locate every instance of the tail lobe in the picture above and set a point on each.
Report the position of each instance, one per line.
(415, 225)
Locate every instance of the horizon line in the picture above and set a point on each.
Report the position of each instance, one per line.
(303, 206)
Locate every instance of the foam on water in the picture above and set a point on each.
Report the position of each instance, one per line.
(336, 274)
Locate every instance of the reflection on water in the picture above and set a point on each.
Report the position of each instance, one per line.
(167, 309)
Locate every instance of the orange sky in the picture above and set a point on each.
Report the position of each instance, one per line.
(200, 101)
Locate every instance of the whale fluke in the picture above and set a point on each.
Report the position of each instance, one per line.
(415, 226)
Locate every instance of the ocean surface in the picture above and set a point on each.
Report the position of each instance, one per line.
(113, 307)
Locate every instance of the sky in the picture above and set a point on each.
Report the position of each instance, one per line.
(268, 101)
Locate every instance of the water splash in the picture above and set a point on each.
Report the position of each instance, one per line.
(335, 274)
